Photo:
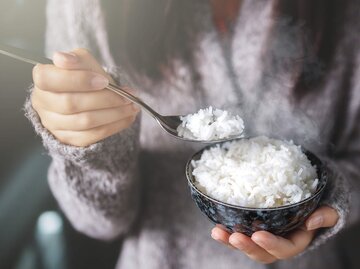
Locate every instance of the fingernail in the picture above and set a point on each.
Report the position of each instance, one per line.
(67, 56)
(217, 238)
(315, 223)
(99, 82)
(213, 235)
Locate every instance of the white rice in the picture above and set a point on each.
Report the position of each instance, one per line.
(258, 172)
(210, 124)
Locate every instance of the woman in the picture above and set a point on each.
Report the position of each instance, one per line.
(289, 68)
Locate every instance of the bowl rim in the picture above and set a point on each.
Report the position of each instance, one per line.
(321, 172)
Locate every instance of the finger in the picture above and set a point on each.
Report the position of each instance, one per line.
(220, 235)
(88, 137)
(72, 103)
(324, 216)
(77, 59)
(281, 247)
(86, 120)
(52, 78)
(252, 250)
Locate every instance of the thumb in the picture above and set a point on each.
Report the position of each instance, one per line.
(78, 59)
(324, 216)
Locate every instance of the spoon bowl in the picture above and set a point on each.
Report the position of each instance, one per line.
(168, 123)
(171, 123)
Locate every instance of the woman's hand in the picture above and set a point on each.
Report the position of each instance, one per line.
(266, 248)
(72, 103)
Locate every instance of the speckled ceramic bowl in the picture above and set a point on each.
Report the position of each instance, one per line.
(247, 220)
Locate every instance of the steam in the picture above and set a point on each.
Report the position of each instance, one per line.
(261, 84)
(274, 111)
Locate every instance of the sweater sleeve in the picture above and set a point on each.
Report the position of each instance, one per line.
(337, 196)
(342, 193)
(343, 190)
(96, 186)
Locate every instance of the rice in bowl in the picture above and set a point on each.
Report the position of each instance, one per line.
(258, 172)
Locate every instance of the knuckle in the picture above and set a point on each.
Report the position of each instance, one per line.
(34, 102)
(39, 76)
(84, 121)
(84, 80)
(47, 123)
(67, 104)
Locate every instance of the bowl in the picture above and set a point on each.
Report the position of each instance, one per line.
(247, 220)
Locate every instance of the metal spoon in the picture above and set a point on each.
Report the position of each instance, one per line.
(167, 123)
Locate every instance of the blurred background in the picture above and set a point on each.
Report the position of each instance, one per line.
(33, 231)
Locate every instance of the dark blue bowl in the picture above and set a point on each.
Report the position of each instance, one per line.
(247, 220)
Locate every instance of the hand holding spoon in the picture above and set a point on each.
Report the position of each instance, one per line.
(167, 123)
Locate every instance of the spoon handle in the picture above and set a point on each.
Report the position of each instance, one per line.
(118, 90)
(23, 55)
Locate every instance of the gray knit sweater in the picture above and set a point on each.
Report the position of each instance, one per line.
(132, 185)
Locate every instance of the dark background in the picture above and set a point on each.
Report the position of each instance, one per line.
(25, 243)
